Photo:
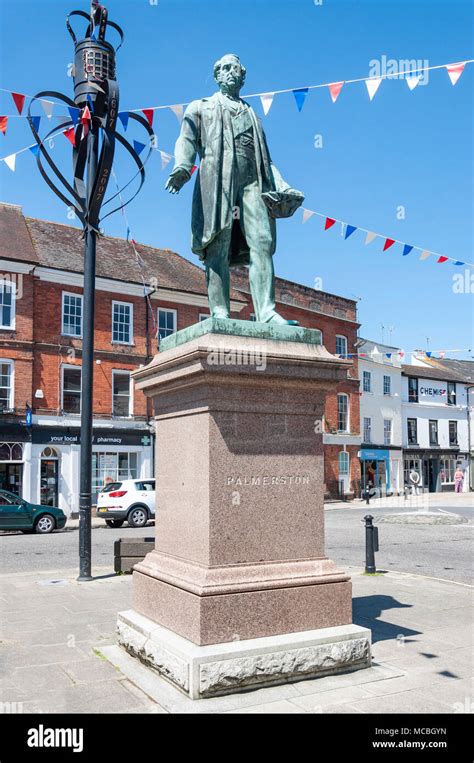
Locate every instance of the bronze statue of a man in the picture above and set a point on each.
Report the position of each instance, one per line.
(231, 220)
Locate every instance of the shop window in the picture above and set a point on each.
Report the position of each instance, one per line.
(121, 393)
(342, 413)
(447, 470)
(409, 465)
(122, 322)
(167, 320)
(412, 390)
(7, 305)
(72, 315)
(112, 467)
(6, 385)
(71, 389)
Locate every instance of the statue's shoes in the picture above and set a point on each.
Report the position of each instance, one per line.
(282, 321)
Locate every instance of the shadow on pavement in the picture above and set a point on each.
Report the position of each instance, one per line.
(367, 610)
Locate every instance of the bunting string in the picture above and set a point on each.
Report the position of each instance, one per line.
(412, 76)
(400, 354)
(347, 230)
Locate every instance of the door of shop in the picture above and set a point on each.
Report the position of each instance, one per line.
(10, 477)
(49, 482)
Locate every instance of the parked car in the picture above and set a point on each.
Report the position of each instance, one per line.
(130, 500)
(18, 514)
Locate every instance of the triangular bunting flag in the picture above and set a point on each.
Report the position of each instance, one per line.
(165, 159)
(69, 134)
(36, 122)
(388, 243)
(373, 85)
(335, 88)
(34, 148)
(442, 259)
(455, 71)
(86, 115)
(442, 354)
(48, 107)
(124, 116)
(149, 114)
(193, 169)
(458, 262)
(370, 237)
(138, 146)
(307, 213)
(349, 230)
(300, 96)
(412, 80)
(401, 354)
(329, 223)
(388, 354)
(128, 233)
(10, 161)
(266, 100)
(19, 101)
(3, 124)
(406, 249)
(424, 255)
(178, 111)
(428, 354)
(74, 114)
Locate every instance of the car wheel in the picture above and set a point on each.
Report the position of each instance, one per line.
(114, 522)
(45, 524)
(137, 517)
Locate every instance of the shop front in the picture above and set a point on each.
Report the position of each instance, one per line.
(55, 468)
(381, 469)
(436, 469)
(14, 450)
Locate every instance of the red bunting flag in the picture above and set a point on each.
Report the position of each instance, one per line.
(19, 101)
(3, 124)
(329, 223)
(85, 119)
(193, 169)
(388, 243)
(455, 71)
(442, 259)
(149, 114)
(335, 88)
(69, 134)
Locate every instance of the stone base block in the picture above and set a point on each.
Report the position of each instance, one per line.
(206, 671)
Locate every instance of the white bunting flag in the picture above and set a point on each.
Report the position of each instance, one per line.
(413, 80)
(178, 111)
(48, 107)
(424, 255)
(455, 71)
(373, 85)
(10, 161)
(370, 237)
(165, 159)
(307, 213)
(267, 100)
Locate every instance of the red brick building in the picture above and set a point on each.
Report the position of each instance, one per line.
(41, 347)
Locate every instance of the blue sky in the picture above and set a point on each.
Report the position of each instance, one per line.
(403, 149)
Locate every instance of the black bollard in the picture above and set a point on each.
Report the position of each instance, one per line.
(371, 544)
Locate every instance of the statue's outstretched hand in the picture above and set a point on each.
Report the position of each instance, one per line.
(177, 179)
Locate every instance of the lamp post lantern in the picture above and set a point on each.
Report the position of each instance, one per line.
(91, 127)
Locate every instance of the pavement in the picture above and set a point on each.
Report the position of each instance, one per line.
(59, 653)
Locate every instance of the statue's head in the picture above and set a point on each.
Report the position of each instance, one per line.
(229, 74)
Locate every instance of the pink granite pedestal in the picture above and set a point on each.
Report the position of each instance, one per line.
(239, 552)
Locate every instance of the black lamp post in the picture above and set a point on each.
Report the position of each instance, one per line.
(92, 131)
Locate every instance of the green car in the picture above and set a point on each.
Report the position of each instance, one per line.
(17, 514)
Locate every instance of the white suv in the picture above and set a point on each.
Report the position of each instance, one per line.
(131, 500)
